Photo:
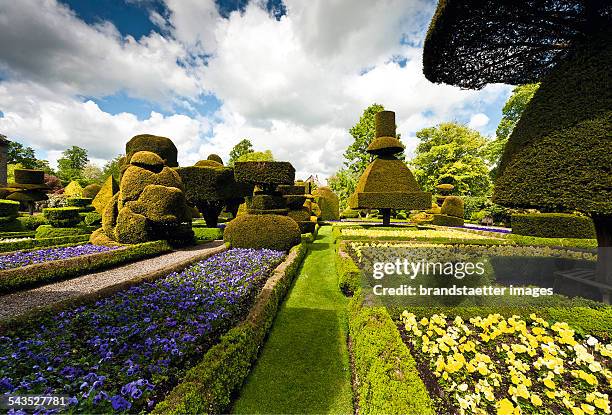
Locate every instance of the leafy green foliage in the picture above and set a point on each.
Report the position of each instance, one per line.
(357, 159)
(343, 184)
(243, 147)
(112, 168)
(18, 154)
(511, 113)
(71, 164)
(451, 153)
(256, 156)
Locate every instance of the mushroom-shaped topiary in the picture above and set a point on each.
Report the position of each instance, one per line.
(558, 156)
(387, 183)
(215, 157)
(29, 188)
(451, 213)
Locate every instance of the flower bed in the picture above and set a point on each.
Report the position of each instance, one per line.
(21, 258)
(126, 351)
(434, 235)
(510, 366)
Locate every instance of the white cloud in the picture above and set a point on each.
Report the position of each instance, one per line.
(44, 42)
(41, 119)
(294, 85)
(478, 120)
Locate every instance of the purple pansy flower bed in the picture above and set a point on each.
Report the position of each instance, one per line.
(20, 258)
(487, 228)
(124, 352)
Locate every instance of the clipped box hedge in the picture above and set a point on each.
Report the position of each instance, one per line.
(388, 381)
(9, 208)
(45, 272)
(63, 217)
(553, 225)
(48, 231)
(42, 243)
(447, 220)
(264, 172)
(208, 387)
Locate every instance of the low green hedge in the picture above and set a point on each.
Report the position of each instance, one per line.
(447, 220)
(62, 217)
(42, 243)
(35, 274)
(207, 234)
(32, 222)
(48, 231)
(349, 274)
(553, 225)
(388, 381)
(19, 234)
(208, 387)
(9, 208)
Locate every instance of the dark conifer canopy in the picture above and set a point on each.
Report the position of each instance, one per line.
(471, 43)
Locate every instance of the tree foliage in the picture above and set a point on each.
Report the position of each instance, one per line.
(451, 153)
(18, 154)
(471, 43)
(511, 113)
(71, 164)
(343, 184)
(243, 147)
(256, 156)
(112, 168)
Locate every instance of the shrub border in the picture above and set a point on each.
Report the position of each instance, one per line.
(42, 243)
(208, 387)
(386, 379)
(17, 321)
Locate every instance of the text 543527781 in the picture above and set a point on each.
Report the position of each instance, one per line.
(33, 401)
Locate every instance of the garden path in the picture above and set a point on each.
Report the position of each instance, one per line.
(15, 304)
(304, 365)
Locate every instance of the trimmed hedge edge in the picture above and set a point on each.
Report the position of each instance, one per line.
(15, 279)
(89, 298)
(387, 379)
(42, 243)
(208, 387)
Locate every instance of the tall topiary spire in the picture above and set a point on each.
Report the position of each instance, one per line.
(387, 183)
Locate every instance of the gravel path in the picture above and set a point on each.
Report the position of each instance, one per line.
(12, 305)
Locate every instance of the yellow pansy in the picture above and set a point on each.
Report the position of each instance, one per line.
(535, 400)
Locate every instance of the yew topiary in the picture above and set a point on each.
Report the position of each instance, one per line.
(162, 146)
(106, 193)
(91, 190)
(262, 231)
(328, 202)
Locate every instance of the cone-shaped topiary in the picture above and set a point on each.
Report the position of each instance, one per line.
(387, 183)
(74, 189)
(106, 193)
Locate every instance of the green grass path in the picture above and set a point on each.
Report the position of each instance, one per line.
(304, 365)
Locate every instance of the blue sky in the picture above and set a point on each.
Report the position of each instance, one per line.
(292, 76)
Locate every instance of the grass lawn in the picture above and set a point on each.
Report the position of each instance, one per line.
(304, 365)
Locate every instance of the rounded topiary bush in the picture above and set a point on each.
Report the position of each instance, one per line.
(28, 176)
(74, 189)
(9, 208)
(262, 231)
(162, 146)
(63, 217)
(328, 202)
(349, 213)
(91, 190)
(553, 225)
(208, 163)
(215, 157)
(453, 206)
(447, 220)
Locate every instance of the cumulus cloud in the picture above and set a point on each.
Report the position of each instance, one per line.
(294, 85)
(44, 42)
(478, 120)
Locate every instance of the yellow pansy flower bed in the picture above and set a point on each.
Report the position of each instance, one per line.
(511, 366)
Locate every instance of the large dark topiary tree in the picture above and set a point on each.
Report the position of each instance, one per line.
(559, 154)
